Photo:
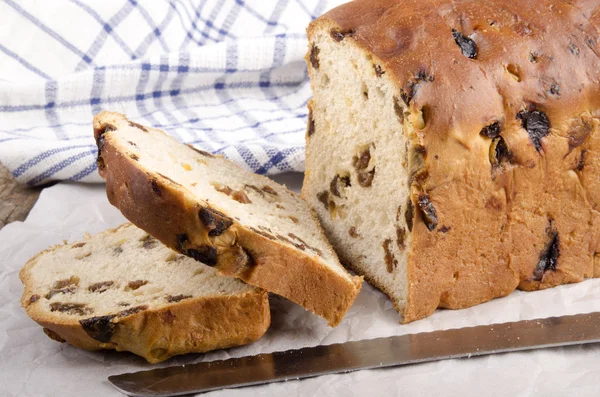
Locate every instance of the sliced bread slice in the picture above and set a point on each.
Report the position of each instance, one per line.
(123, 290)
(208, 208)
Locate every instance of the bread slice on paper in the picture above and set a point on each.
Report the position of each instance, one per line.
(208, 208)
(124, 290)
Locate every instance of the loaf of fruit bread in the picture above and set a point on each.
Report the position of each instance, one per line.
(452, 146)
(210, 209)
(122, 289)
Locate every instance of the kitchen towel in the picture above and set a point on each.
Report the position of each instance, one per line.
(227, 76)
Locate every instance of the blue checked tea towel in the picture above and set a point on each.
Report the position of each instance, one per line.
(227, 76)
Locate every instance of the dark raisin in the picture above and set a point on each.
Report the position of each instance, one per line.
(581, 161)
(257, 190)
(270, 190)
(66, 290)
(155, 188)
(499, 153)
(235, 260)
(352, 232)
(176, 298)
(117, 251)
(311, 123)
(149, 242)
(390, 260)
(73, 280)
(573, 49)
(378, 70)
(100, 287)
(537, 125)
(491, 131)
(398, 213)
(132, 143)
(427, 211)
(314, 56)
(136, 125)
(466, 44)
(339, 36)
(533, 57)
(132, 310)
(223, 189)
(424, 75)
(555, 89)
(216, 222)
(444, 229)
(264, 234)
(361, 161)
(339, 182)
(34, 298)
(299, 243)
(408, 92)
(409, 214)
(240, 197)
(579, 130)
(181, 239)
(134, 157)
(201, 152)
(323, 197)
(206, 254)
(365, 179)
(401, 237)
(548, 257)
(133, 285)
(70, 308)
(590, 41)
(265, 228)
(100, 328)
(53, 335)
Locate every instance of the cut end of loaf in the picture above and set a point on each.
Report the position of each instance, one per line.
(360, 124)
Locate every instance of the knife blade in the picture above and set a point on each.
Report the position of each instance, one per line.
(365, 354)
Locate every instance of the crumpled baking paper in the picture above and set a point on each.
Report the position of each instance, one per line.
(33, 365)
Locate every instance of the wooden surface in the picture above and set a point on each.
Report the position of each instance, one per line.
(15, 200)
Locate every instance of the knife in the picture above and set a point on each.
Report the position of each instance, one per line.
(365, 354)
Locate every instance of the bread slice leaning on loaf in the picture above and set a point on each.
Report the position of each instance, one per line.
(453, 147)
(206, 207)
(122, 289)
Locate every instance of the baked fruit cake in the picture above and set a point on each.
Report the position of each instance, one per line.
(451, 145)
(124, 290)
(208, 208)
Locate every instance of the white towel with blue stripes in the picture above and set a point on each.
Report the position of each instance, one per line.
(227, 76)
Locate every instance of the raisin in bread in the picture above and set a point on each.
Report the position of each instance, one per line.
(208, 208)
(452, 147)
(123, 290)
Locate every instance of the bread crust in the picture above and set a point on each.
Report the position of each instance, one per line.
(540, 56)
(193, 325)
(168, 211)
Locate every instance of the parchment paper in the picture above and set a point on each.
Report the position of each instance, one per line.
(33, 365)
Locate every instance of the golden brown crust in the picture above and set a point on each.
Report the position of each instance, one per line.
(194, 325)
(172, 214)
(534, 56)
(190, 326)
